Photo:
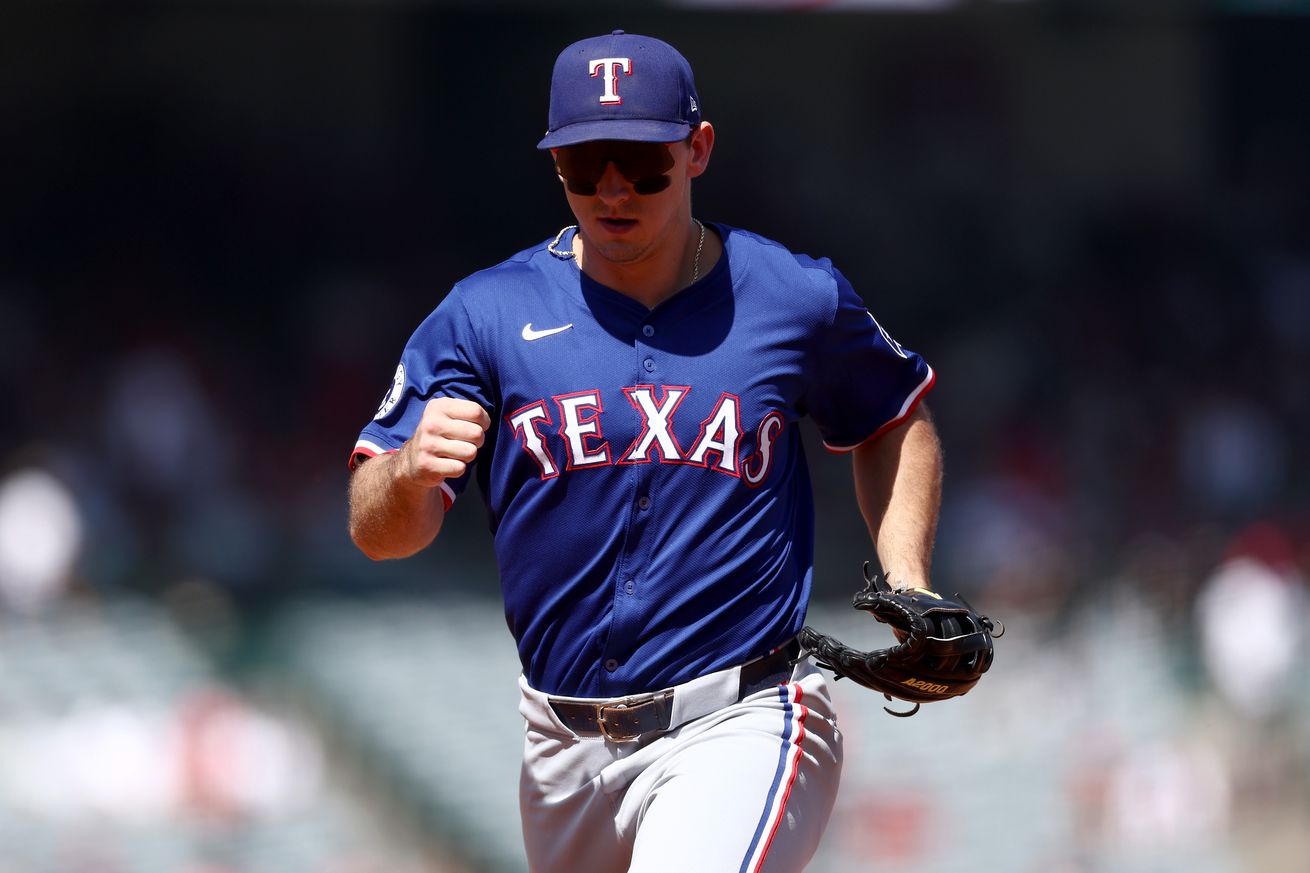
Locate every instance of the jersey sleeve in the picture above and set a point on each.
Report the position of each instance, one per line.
(863, 383)
(440, 360)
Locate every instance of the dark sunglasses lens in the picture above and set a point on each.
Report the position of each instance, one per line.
(581, 165)
(642, 164)
(641, 160)
(582, 189)
(651, 184)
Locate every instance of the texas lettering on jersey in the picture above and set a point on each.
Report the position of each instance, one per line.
(575, 432)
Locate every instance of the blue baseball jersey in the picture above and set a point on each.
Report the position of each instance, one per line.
(644, 474)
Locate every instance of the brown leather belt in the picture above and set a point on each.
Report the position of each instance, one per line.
(626, 718)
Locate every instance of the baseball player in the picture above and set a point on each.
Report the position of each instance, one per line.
(627, 394)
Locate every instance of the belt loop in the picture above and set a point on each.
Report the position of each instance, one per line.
(664, 706)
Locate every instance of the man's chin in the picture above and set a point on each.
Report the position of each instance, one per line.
(615, 251)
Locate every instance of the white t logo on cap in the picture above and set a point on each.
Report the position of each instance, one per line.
(610, 67)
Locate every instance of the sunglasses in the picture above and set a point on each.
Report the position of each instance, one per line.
(644, 164)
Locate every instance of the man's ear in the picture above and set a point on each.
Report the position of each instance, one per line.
(702, 143)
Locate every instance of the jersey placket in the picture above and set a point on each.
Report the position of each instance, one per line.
(629, 605)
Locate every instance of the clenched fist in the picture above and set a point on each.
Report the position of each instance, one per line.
(445, 442)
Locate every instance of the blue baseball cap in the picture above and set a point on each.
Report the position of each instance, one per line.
(620, 86)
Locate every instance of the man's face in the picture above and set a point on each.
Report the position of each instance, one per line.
(627, 197)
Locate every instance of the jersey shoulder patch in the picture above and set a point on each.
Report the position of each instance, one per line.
(393, 394)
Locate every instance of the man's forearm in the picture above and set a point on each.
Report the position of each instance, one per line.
(898, 483)
(390, 517)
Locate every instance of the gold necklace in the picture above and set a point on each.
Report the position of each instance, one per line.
(695, 267)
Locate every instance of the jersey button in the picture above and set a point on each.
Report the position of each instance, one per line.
(643, 503)
(611, 665)
(648, 330)
(648, 364)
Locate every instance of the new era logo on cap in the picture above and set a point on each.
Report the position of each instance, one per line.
(621, 86)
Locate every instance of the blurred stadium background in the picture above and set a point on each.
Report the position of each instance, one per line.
(219, 222)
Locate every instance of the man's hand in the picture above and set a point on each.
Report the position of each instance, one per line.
(445, 442)
(395, 507)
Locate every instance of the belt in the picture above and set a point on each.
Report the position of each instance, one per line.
(624, 719)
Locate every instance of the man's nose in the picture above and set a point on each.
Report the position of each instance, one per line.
(612, 187)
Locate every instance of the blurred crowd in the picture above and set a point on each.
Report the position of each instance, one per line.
(196, 320)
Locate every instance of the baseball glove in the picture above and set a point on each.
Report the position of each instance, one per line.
(944, 646)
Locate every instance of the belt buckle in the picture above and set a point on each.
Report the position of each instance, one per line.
(626, 703)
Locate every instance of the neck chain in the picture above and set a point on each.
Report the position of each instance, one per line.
(695, 267)
(560, 253)
(554, 249)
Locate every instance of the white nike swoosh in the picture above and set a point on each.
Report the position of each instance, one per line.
(529, 334)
